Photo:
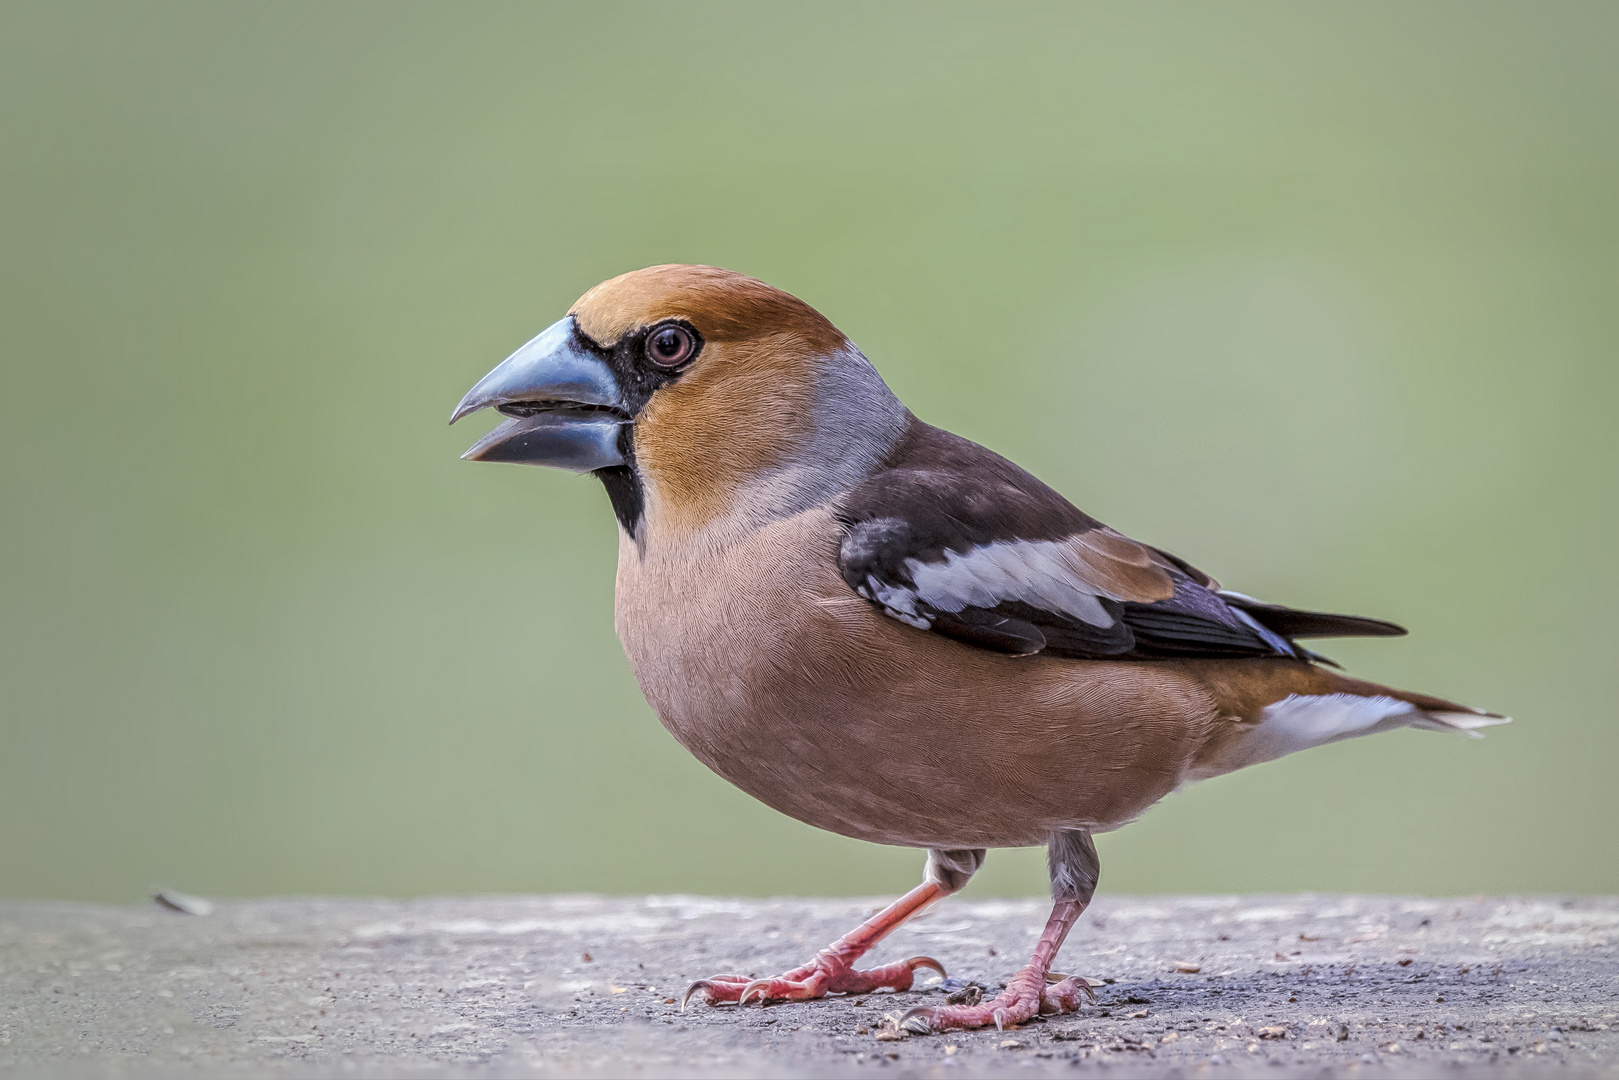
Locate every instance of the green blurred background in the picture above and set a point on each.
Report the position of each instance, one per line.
(1322, 298)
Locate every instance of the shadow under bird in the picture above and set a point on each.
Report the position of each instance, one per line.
(887, 631)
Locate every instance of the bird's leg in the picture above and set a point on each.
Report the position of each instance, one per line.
(832, 970)
(1074, 872)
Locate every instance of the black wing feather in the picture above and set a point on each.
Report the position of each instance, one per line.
(1293, 623)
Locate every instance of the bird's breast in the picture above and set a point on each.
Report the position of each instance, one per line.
(759, 659)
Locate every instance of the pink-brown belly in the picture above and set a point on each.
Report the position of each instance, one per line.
(773, 674)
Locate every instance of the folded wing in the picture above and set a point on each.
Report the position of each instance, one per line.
(952, 538)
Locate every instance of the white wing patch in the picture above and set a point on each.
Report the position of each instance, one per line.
(1046, 574)
(896, 601)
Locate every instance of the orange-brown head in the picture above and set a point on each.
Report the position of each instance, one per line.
(700, 396)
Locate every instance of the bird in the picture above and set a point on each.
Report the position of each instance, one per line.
(887, 631)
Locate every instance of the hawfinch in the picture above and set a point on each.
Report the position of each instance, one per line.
(888, 631)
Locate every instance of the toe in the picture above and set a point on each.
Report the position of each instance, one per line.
(1062, 997)
(767, 990)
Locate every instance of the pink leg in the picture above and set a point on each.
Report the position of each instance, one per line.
(832, 971)
(1026, 995)
(1074, 873)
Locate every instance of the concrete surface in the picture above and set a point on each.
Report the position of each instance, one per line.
(581, 986)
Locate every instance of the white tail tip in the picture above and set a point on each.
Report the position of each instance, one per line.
(1463, 723)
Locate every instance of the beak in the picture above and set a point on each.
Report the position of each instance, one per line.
(566, 406)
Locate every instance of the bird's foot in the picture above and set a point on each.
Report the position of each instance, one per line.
(828, 973)
(1027, 995)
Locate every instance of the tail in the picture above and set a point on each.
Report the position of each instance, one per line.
(1314, 707)
(1458, 719)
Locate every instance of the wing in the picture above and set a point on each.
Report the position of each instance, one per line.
(953, 538)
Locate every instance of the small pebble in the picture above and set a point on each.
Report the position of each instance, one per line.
(1011, 1044)
(1187, 967)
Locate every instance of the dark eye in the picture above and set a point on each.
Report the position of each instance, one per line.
(670, 346)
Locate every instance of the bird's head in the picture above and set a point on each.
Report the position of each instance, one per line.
(698, 395)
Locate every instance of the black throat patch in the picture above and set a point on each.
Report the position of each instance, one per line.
(624, 492)
(623, 483)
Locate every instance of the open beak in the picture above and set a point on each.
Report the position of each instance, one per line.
(565, 405)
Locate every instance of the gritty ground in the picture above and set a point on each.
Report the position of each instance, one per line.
(583, 986)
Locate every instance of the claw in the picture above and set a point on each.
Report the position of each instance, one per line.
(700, 984)
(926, 962)
(1000, 1019)
(757, 984)
(915, 1021)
